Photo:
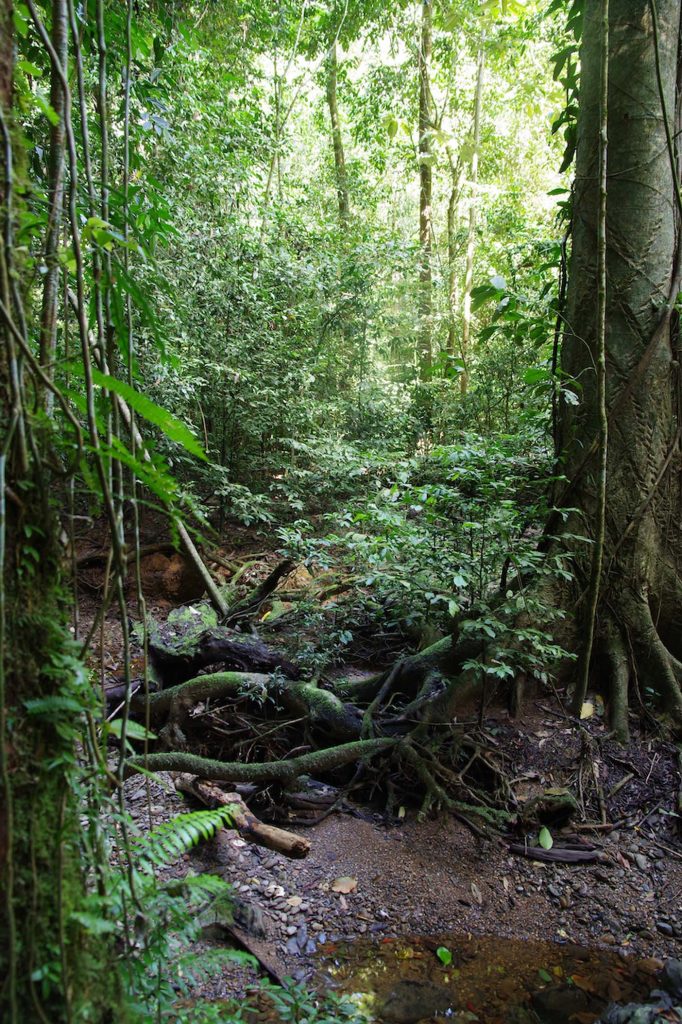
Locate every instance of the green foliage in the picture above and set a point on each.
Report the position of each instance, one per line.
(446, 540)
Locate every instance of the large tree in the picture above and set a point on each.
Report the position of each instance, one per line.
(639, 609)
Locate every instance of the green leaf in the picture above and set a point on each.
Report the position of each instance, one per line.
(174, 429)
(28, 68)
(444, 955)
(134, 731)
(45, 108)
(545, 839)
(545, 976)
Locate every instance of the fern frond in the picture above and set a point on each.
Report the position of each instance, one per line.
(169, 841)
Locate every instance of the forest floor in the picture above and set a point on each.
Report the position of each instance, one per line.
(432, 878)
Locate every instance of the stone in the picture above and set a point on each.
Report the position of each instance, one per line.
(412, 1001)
(671, 978)
(664, 928)
(558, 1005)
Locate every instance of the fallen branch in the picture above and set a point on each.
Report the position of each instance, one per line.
(245, 822)
(252, 602)
(555, 854)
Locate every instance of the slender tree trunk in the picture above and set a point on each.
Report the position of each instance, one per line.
(639, 612)
(425, 195)
(453, 204)
(337, 139)
(48, 317)
(471, 240)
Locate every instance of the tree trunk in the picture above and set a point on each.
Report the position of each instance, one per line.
(51, 966)
(337, 139)
(471, 239)
(425, 195)
(638, 635)
(48, 318)
(453, 203)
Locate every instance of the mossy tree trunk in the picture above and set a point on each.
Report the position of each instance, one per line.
(51, 967)
(639, 620)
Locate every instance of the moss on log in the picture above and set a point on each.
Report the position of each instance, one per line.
(314, 763)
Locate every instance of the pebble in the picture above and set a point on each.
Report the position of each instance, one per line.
(664, 928)
(641, 862)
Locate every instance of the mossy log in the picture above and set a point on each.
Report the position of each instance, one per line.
(317, 762)
(321, 708)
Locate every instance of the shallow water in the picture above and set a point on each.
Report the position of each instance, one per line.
(499, 981)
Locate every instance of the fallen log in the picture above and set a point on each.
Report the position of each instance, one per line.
(556, 854)
(176, 661)
(250, 828)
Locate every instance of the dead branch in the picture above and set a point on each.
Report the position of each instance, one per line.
(245, 822)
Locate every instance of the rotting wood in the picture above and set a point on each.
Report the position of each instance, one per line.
(556, 855)
(250, 828)
(180, 662)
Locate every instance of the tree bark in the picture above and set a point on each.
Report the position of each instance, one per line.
(471, 238)
(640, 600)
(48, 317)
(425, 195)
(337, 138)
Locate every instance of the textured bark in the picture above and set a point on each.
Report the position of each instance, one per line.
(640, 608)
(471, 237)
(48, 317)
(337, 138)
(425, 195)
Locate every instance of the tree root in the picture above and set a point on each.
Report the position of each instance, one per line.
(315, 763)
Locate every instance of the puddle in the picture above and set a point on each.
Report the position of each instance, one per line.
(488, 979)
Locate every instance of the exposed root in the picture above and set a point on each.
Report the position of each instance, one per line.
(315, 763)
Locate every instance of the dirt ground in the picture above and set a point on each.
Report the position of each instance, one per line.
(368, 877)
(423, 877)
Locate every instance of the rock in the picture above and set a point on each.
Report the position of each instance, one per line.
(412, 1001)
(292, 929)
(557, 1005)
(671, 978)
(642, 862)
(292, 947)
(249, 917)
(664, 928)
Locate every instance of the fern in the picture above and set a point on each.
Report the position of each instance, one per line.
(169, 841)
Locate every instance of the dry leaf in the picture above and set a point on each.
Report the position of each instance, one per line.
(345, 884)
(587, 710)
(477, 894)
(583, 983)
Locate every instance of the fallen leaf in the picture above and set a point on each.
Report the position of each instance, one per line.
(477, 894)
(587, 710)
(295, 901)
(545, 839)
(583, 983)
(345, 884)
